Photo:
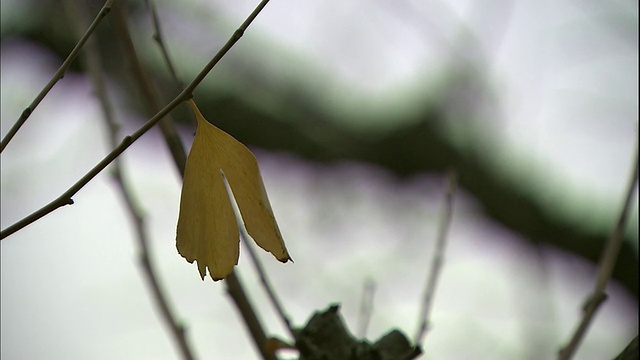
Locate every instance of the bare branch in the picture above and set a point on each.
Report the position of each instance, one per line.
(234, 286)
(437, 260)
(238, 294)
(164, 50)
(605, 268)
(95, 69)
(65, 198)
(366, 307)
(149, 94)
(266, 284)
(57, 76)
(262, 274)
(159, 39)
(232, 281)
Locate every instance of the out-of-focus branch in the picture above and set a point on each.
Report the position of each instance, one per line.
(240, 299)
(419, 146)
(77, 9)
(57, 76)
(437, 261)
(366, 307)
(159, 39)
(234, 285)
(146, 88)
(605, 269)
(66, 197)
(266, 284)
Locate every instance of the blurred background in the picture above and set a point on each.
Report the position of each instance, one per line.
(355, 111)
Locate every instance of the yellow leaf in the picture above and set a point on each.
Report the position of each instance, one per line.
(207, 229)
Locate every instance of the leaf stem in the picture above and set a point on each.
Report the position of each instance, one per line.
(66, 197)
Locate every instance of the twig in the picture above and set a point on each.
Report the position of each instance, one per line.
(437, 260)
(57, 76)
(233, 283)
(159, 39)
(238, 294)
(148, 92)
(366, 307)
(266, 284)
(262, 274)
(605, 268)
(95, 69)
(65, 198)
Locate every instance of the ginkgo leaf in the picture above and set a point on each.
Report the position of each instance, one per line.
(207, 230)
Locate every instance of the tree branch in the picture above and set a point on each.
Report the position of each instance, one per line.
(437, 260)
(605, 269)
(57, 76)
(66, 197)
(408, 150)
(94, 66)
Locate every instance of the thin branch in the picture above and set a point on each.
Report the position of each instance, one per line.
(57, 76)
(366, 307)
(65, 198)
(150, 96)
(262, 274)
(232, 282)
(159, 39)
(437, 260)
(605, 268)
(266, 284)
(238, 294)
(95, 69)
(234, 285)
(164, 50)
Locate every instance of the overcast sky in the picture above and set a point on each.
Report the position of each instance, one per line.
(567, 84)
